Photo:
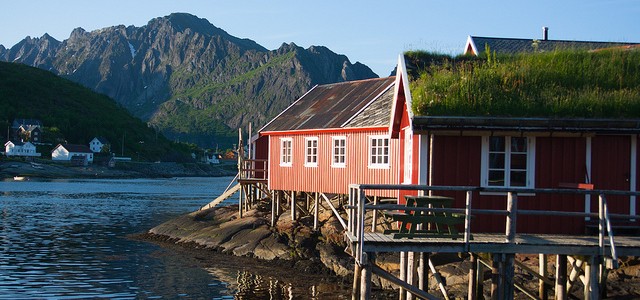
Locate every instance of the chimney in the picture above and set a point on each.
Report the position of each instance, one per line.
(545, 33)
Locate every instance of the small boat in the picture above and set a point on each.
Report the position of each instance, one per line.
(20, 178)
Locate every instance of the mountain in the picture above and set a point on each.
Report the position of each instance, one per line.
(186, 77)
(76, 114)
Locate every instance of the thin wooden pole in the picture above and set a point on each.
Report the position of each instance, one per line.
(512, 207)
(365, 284)
(315, 211)
(561, 277)
(240, 201)
(293, 205)
(543, 291)
(403, 273)
(374, 215)
(480, 279)
(473, 278)
(411, 263)
(423, 275)
(355, 292)
(273, 209)
(509, 274)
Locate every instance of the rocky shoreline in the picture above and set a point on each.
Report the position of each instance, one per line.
(51, 170)
(294, 245)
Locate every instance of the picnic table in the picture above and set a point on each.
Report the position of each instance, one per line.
(416, 223)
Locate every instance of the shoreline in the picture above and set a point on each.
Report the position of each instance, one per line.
(295, 246)
(123, 170)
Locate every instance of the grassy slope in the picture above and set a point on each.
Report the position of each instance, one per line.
(74, 113)
(575, 84)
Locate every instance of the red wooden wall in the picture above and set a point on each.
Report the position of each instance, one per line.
(325, 178)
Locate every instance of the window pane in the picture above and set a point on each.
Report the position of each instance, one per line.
(496, 143)
(518, 161)
(518, 178)
(496, 178)
(519, 144)
(496, 161)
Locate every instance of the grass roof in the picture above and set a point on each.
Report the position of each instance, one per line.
(558, 84)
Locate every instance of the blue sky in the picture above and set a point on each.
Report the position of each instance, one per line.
(371, 32)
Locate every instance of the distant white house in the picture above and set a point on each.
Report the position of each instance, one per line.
(12, 148)
(70, 152)
(98, 143)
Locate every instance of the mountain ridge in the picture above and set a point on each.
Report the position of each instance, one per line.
(186, 77)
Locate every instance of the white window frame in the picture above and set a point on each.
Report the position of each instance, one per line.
(311, 147)
(335, 156)
(384, 156)
(531, 159)
(286, 157)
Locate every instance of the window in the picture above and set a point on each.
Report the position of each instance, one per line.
(285, 152)
(311, 152)
(378, 152)
(339, 154)
(508, 161)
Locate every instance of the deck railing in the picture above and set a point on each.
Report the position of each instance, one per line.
(357, 209)
(254, 169)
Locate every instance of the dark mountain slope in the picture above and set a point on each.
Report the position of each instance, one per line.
(186, 77)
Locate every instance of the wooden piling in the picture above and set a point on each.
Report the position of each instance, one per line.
(473, 278)
(543, 291)
(561, 277)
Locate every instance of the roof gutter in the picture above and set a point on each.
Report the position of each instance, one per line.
(574, 125)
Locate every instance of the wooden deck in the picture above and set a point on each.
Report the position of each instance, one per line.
(492, 243)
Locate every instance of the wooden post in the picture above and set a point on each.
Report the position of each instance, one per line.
(403, 273)
(543, 291)
(315, 211)
(473, 278)
(561, 277)
(240, 201)
(480, 279)
(512, 208)
(374, 215)
(365, 283)
(293, 205)
(496, 281)
(591, 286)
(273, 209)
(509, 274)
(411, 263)
(423, 274)
(355, 292)
(278, 199)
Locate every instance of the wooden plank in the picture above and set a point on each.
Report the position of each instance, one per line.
(222, 197)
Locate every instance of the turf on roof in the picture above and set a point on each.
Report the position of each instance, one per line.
(565, 84)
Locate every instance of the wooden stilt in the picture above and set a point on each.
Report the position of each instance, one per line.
(315, 211)
(403, 274)
(273, 209)
(508, 275)
(365, 283)
(592, 287)
(355, 292)
(278, 199)
(293, 205)
(543, 291)
(480, 279)
(411, 272)
(423, 274)
(561, 277)
(473, 278)
(374, 215)
(240, 201)
(495, 277)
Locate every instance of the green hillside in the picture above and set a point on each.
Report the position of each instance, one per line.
(573, 84)
(75, 114)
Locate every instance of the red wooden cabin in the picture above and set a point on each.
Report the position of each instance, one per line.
(518, 153)
(334, 135)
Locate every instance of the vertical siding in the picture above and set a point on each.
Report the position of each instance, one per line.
(610, 169)
(325, 178)
(558, 160)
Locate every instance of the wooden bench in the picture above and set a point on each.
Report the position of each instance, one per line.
(412, 223)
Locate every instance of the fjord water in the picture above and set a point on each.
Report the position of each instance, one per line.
(67, 239)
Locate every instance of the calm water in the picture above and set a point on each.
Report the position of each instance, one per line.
(66, 239)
